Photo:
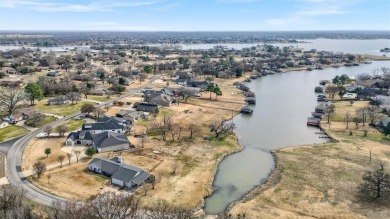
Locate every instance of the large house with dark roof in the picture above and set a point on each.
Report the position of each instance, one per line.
(121, 174)
(107, 134)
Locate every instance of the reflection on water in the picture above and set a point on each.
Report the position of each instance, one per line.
(284, 101)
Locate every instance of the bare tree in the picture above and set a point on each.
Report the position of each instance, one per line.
(69, 155)
(39, 168)
(161, 129)
(107, 107)
(85, 90)
(98, 113)
(12, 203)
(61, 159)
(373, 113)
(222, 127)
(77, 153)
(73, 97)
(142, 77)
(62, 129)
(193, 129)
(347, 119)
(168, 122)
(174, 166)
(357, 120)
(329, 111)
(144, 139)
(48, 130)
(376, 184)
(362, 114)
(10, 98)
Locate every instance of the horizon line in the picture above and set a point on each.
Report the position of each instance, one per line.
(210, 31)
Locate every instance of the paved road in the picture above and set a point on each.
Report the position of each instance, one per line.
(14, 158)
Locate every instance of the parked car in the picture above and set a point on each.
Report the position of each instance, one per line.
(42, 135)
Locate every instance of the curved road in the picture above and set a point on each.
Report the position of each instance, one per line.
(14, 158)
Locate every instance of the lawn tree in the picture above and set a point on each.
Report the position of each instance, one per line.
(357, 120)
(87, 108)
(73, 97)
(33, 92)
(161, 129)
(47, 151)
(168, 122)
(90, 152)
(148, 69)
(85, 90)
(362, 113)
(193, 129)
(143, 139)
(142, 77)
(174, 166)
(34, 118)
(329, 111)
(222, 127)
(376, 185)
(118, 70)
(99, 112)
(186, 93)
(347, 119)
(62, 129)
(351, 102)
(61, 159)
(69, 156)
(217, 91)
(40, 168)
(107, 107)
(118, 89)
(77, 153)
(331, 90)
(10, 98)
(342, 92)
(373, 113)
(210, 89)
(48, 130)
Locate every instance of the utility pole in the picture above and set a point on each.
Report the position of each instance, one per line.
(370, 156)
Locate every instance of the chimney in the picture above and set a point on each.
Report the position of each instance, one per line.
(120, 160)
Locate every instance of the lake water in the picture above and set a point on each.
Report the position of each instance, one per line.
(371, 47)
(46, 49)
(284, 101)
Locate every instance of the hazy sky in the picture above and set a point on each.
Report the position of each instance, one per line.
(195, 15)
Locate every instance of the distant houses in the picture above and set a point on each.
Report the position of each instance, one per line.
(123, 175)
(60, 100)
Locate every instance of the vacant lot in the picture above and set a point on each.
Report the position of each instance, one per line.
(74, 124)
(66, 109)
(35, 149)
(12, 131)
(98, 98)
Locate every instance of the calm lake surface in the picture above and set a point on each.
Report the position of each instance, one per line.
(371, 47)
(284, 101)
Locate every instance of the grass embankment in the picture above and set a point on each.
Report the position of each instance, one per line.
(44, 121)
(12, 131)
(321, 181)
(66, 109)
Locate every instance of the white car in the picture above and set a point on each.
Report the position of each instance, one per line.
(42, 135)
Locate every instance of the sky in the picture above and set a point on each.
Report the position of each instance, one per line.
(194, 15)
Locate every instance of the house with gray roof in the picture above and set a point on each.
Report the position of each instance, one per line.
(106, 124)
(60, 100)
(161, 100)
(121, 174)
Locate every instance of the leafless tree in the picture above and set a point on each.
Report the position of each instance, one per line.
(48, 130)
(362, 113)
(357, 120)
(174, 166)
(70, 210)
(347, 119)
(159, 175)
(193, 129)
(142, 77)
(113, 205)
(144, 139)
(222, 127)
(12, 203)
(168, 122)
(69, 155)
(77, 153)
(373, 113)
(39, 168)
(107, 107)
(162, 209)
(84, 89)
(61, 159)
(161, 129)
(186, 93)
(331, 90)
(10, 98)
(98, 112)
(62, 129)
(73, 97)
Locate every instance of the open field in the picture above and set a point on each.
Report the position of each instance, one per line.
(44, 121)
(66, 109)
(321, 181)
(12, 131)
(98, 98)
(34, 151)
(74, 124)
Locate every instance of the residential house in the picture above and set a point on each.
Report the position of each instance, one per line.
(130, 115)
(10, 83)
(161, 100)
(97, 92)
(121, 174)
(184, 75)
(60, 100)
(182, 81)
(106, 124)
(383, 123)
(200, 84)
(11, 71)
(146, 107)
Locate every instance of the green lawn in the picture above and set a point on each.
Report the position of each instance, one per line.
(74, 124)
(98, 98)
(66, 109)
(44, 121)
(12, 131)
